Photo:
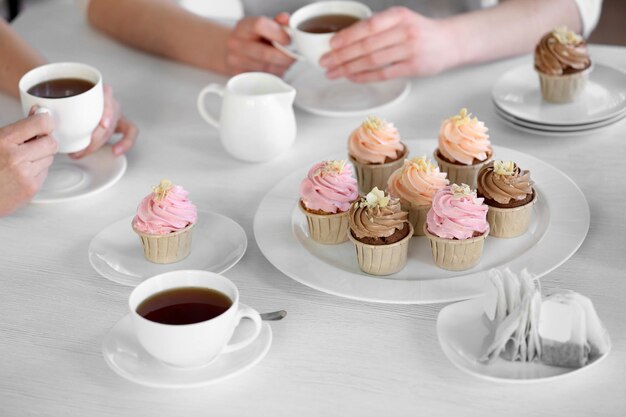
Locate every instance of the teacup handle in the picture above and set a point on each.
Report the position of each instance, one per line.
(245, 312)
(211, 88)
(290, 53)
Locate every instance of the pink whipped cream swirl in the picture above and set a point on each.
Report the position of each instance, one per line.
(416, 182)
(159, 216)
(463, 139)
(374, 142)
(329, 186)
(457, 213)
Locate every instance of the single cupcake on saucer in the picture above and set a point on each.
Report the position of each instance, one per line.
(456, 226)
(508, 192)
(463, 148)
(563, 64)
(326, 195)
(380, 232)
(376, 151)
(415, 184)
(164, 222)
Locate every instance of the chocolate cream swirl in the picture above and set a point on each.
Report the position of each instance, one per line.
(554, 57)
(377, 221)
(504, 188)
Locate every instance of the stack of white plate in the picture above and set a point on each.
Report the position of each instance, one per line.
(517, 100)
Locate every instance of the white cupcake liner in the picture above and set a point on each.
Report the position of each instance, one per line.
(329, 229)
(461, 174)
(510, 222)
(417, 216)
(453, 254)
(563, 88)
(376, 175)
(382, 259)
(168, 248)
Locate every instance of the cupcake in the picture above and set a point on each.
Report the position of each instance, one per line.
(508, 192)
(563, 64)
(456, 226)
(376, 151)
(380, 232)
(415, 184)
(326, 195)
(464, 148)
(164, 222)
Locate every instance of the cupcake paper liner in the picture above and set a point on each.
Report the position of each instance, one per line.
(382, 259)
(456, 255)
(329, 229)
(417, 216)
(563, 88)
(510, 222)
(461, 174)
(168, 248)
(376, 175)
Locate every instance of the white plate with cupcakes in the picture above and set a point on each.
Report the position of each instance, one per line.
(539, 223)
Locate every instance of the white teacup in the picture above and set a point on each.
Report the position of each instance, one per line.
(75, 117)
(197, 344)
(311, 46)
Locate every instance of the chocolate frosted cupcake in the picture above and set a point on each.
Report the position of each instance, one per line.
(380, 232)
(563, 64)
(508, 192)
(463, 148)
(376, 151)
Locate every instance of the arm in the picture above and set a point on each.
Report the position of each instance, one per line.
(164, 28)
(401, 43)
(20, 59)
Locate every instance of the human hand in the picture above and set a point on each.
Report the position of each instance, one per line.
(249, 46)
(394, 43)
(26, 152)
(112, 121)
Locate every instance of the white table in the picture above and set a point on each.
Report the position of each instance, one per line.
(330, 356)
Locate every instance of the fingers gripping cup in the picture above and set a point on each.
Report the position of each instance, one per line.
(187, 318)
(72, 94)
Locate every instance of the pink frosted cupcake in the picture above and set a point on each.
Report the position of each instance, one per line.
(376, 151)
(164, 222)
(415, 184)
(464, 148)
(457, 227)
(326, 195)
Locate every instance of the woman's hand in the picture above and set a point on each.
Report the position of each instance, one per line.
(394, 43)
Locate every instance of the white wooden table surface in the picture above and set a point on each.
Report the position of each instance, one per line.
(330, 356)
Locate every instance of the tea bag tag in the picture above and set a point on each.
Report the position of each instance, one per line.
(556, 321)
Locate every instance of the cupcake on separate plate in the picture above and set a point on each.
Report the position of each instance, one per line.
(563, 65)
(164, 222)
(508, 192)
(376, 151)
(464, 148)
(326, 195)
(456, 226)
(415, 184)
(380, 232)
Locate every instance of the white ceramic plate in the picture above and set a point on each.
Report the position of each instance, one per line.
(560, 223)
(517, 93)
(218, 243)
(319, 95)
(463, 332)
(70, 179)
(127, 358)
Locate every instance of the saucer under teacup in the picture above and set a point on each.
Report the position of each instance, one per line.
(126, 357)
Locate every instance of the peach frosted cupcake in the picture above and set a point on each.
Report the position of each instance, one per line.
(456, 226)
(463, 148)
(326, 195)
(415, 184)
(164, 222)
(508, 192)
(376, 151)
(563, 65)
(380, 232)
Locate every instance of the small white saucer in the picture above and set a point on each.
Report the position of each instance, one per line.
(70, 179)
(335, 98)
(127, 358)
(218, 243)
(463, 328)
